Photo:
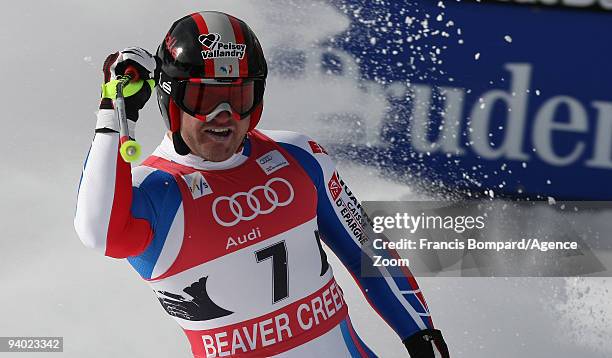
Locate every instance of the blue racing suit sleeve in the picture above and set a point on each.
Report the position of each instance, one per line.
(394, 295)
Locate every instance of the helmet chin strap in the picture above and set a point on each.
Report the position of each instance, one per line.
(174, 114)
(180, 147)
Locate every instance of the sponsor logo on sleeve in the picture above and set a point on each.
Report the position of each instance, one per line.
(272, 161)
(348, 206)
(334, 186)
(316, 147)
(198, 186)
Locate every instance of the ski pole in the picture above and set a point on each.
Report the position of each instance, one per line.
(130, 149)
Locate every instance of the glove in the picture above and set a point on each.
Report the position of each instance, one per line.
(427, 343)
(136, 93)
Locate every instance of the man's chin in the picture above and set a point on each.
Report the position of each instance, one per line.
(216, 152)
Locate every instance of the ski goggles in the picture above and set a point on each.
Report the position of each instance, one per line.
(199, 97)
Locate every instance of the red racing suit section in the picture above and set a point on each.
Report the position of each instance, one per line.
(103, 216)
(233, 249)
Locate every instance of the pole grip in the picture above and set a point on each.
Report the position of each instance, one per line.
(130, 150)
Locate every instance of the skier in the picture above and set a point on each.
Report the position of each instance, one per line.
(225, 221)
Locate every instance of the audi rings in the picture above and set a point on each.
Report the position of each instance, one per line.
(253, 202)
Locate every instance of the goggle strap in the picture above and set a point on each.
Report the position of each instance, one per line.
(234, 81)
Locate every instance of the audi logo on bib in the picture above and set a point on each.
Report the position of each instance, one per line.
(260, 200)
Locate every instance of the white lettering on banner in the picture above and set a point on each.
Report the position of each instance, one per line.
(266, 340)
(516, 101)
(328, 303)
(294, 320)
(221, 344)
(545, 124)
(282, 325)
(304, 307)
(512, 145)
(448, 140)
(603, 139)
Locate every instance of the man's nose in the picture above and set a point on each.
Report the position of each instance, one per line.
(221, 118)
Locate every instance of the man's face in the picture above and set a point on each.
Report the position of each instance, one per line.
(216, 140)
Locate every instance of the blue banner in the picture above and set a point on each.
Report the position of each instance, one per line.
(495, 98)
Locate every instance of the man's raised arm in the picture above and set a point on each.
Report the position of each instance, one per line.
(114, 214)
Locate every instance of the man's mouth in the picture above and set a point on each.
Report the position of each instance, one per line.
(219, 132)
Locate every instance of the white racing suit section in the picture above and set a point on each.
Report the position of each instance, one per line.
(233, 249)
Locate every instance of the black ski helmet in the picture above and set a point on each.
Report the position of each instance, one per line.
(207, 44)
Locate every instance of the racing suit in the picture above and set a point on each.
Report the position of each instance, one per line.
(233, 249)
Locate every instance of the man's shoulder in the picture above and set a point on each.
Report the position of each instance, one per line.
(294, 139)
(309, 154)
(144, 176)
